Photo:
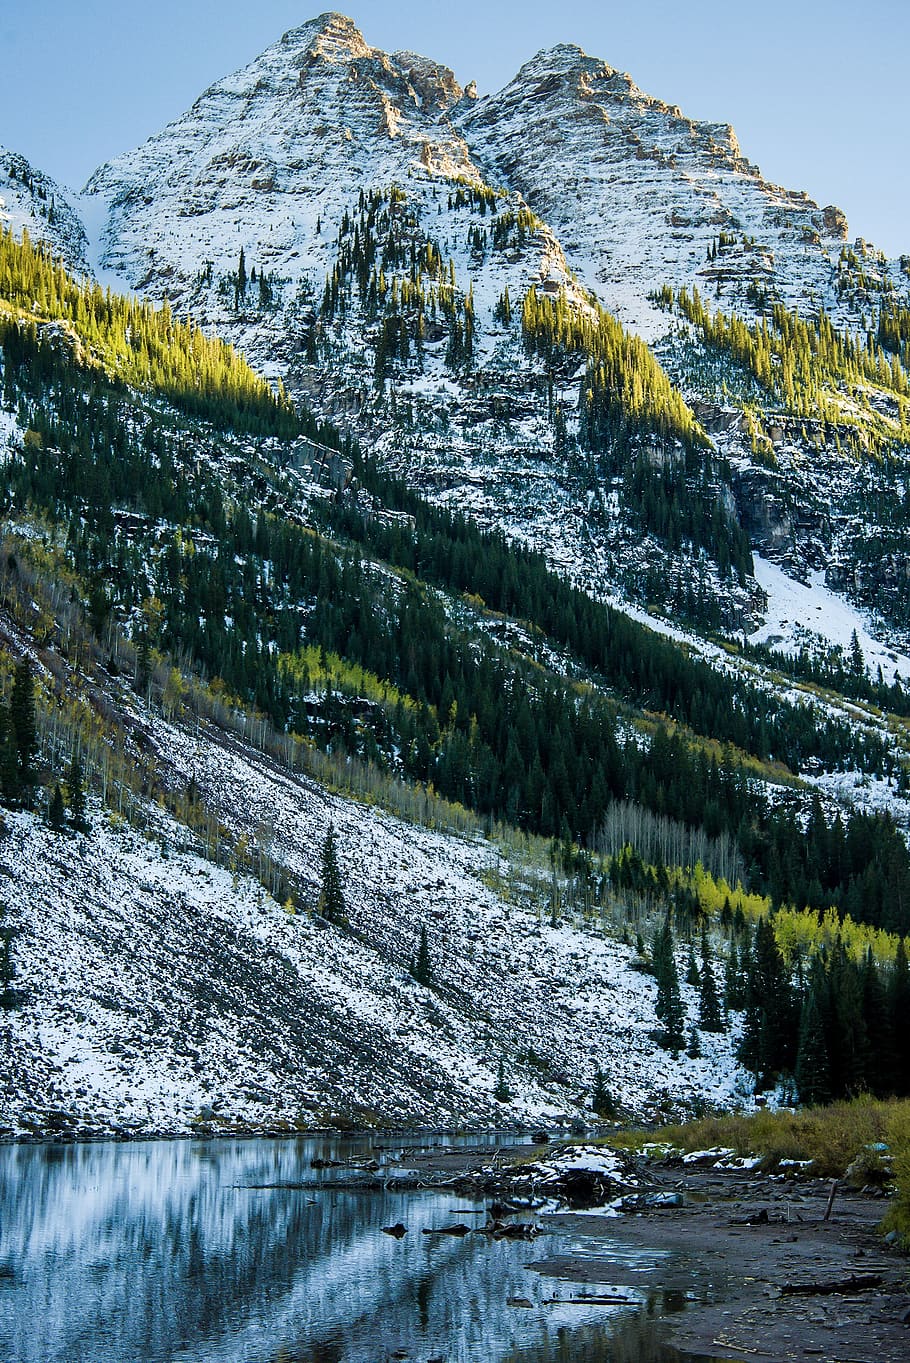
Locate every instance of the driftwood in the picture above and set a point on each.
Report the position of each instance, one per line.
(724, 1343)
(599, 1299)
(857, 1282)
(459, 1229)
(831, 1197)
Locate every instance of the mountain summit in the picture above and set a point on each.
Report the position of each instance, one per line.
(376, 237)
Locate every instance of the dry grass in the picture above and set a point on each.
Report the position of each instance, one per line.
(898, 1138)
(830, 1136)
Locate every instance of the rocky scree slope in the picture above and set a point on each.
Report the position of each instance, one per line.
(163, 993)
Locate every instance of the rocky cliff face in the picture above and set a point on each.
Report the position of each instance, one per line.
(634, 190)
(637, 192)
(269, 158)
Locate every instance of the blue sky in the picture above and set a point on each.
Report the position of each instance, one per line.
(819, 94)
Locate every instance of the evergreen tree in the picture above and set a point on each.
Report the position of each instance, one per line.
(56, 814)
(856, 661)
(693, 1050)
(848, 1040)
(8, 996)
(143, 661)
(732, 996)
(9, 759)
(602, 1100)
(769, 1037)
(709, 1011)
(881, 1057)
(692, 976)
(421, 967)
(813, 1070)
(502, 1093)
(669, 1005)
(331, 895)
(75, 791)
(99, 608)
(899, 1011)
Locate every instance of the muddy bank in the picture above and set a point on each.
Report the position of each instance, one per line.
(758, 1270)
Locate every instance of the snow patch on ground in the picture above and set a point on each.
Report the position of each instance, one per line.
(800, 613)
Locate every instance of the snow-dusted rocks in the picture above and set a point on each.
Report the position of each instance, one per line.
(637, 192)
(268, 159)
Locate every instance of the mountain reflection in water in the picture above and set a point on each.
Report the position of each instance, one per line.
(212, 1252)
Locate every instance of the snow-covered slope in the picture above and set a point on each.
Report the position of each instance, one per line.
(803, 613)
(161, 990)
(269, 158)
(638, 192)
(627, 194)
(635, 191)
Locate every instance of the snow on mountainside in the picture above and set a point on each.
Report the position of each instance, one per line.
(162, 990)
(366, 229)
(33, 201)
(269, 158)
(570, 178)
(637, 192)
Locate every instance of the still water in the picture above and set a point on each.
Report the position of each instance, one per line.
(206, 1252)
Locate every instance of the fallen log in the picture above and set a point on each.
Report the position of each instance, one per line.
(857, 1282)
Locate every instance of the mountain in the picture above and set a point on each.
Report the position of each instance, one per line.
(574, 181)
(638, 193)
(526, 506)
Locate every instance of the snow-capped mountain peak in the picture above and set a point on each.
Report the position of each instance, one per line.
(332, 35)
(571, 180)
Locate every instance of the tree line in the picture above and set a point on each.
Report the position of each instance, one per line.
(240, 593)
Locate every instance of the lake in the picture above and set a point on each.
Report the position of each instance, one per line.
(193, 1252)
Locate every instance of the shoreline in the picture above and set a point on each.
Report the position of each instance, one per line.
(729, 1262)
(763, 1274)
(757, 1268)
(210, 1131)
